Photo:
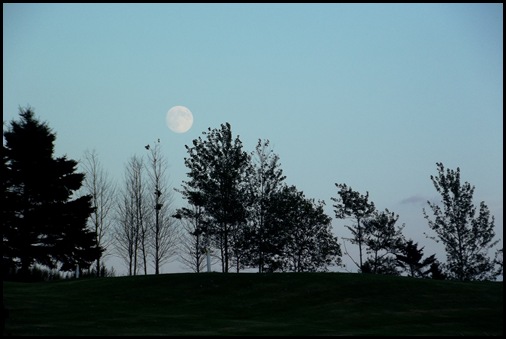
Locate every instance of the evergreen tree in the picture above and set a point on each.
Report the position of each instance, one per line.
(409, 257)
(467, 237)
(42, 223)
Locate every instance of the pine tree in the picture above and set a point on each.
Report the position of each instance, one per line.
(409, 257)
(43, 224)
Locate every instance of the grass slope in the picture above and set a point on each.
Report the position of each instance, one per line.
(254, 304)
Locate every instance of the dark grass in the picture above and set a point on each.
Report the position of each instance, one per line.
(209, 304)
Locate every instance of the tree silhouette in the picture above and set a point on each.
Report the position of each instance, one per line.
(352, 204)
(102, 190)
(265, 179)
(467, 237)
(217, 171)
(298, 234)
(409, 257)
(194, 247)
(131, 232)
(42, 223)
(382, 239)
(163, 235)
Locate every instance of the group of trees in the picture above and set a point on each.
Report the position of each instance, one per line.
(135, 220)
(240, 213)
(467, 237)
(387, 251)
(240, 207)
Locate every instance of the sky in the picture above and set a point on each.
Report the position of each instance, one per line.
(370, 95)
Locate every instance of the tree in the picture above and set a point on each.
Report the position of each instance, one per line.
(163, 232)
(217, 171)
(43, 223)
(265, 180)
(196, 237)
(382, 239)
(131, 233)
(9, 218)
(194, 247)
(125, 234)
(352, 204)
(299, 236)
(98, 185)
(467, 237)
(498, 262)
(409, 257)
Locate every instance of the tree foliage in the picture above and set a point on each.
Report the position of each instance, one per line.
(382, 239)
(217, 174)
(42, 222)
(264, 181)
(352, 204)
(240, 206)
(466, 235)
(409, 257)
(298, 234)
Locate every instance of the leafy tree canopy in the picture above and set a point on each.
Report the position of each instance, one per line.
(466, 234)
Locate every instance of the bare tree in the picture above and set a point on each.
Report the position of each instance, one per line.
(163, 232)
(125, 233)
(132, 213)
(99, 186)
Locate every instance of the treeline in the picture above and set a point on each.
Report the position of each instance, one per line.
(240, 214)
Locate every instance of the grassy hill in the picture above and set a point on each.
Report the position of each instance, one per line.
(254, 304)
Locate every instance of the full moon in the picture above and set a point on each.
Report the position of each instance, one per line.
(179, 119)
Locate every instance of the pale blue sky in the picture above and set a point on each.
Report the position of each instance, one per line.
(368, 95)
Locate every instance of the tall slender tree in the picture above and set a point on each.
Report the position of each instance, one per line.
(466, 236)
(125, 233)
(193, 248)
(132, 230)
(196, 237)
(266, 179)
(102, 190)
(352, 204)
(163, 234)
(44, 223)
